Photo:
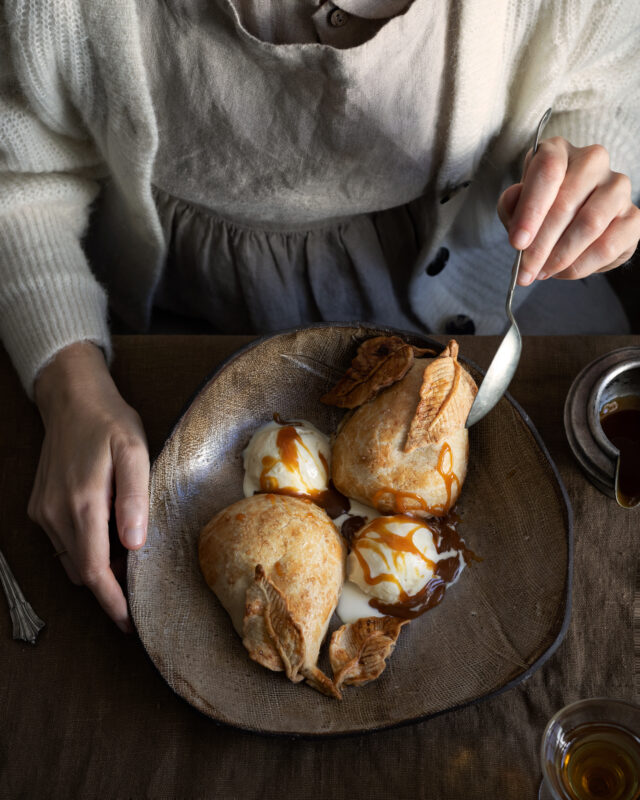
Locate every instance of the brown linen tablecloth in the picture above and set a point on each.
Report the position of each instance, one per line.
(85, 714)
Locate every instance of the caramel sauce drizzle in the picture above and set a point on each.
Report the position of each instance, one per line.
(408, 502)
(288, 441)
(396, 543)
(351, 526)
(445, 571)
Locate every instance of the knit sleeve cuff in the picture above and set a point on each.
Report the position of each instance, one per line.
(617, 131)
(49, 298)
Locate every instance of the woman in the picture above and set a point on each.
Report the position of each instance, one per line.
(263, 165)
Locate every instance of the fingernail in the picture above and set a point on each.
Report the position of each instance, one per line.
(133, 537)
(521, 239)
(542, 276)
(125, 625)
(524, 278)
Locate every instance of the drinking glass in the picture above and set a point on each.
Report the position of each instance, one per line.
(591, 751)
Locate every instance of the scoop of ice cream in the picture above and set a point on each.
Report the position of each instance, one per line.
(291, 458)
(393, 558)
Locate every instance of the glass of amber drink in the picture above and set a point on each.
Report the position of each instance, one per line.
(591, 751)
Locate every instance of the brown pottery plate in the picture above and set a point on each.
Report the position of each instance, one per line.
(503, 618)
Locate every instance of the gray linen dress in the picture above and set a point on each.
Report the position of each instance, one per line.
(300, 193)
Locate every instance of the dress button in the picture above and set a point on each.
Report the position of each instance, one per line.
(337, 18)
(461, 324)
(439, 262)
(454, 191)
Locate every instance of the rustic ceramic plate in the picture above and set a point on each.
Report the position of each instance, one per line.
(501, 620)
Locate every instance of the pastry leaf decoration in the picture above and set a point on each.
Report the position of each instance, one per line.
(274, 639)
(270, 634)
(446, 396)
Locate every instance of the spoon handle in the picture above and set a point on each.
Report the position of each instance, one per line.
(512, 285)
(516, 264)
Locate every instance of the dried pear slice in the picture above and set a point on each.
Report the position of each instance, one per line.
(359, 650)
(379, 362)
(446, 396)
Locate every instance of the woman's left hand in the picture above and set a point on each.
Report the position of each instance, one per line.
(570, 213)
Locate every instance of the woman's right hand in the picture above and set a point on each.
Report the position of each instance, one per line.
(94, 443)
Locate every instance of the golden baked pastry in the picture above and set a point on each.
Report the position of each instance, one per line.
(406, 451)
(277, 564)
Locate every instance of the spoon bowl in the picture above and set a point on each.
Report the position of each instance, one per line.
(498, 376)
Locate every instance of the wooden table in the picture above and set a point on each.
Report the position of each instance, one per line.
(85, 714)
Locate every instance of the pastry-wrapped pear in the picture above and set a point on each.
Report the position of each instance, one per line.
(406, 451)
(277, 564)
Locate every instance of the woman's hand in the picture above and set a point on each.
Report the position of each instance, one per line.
(571, 214)
(94, 442)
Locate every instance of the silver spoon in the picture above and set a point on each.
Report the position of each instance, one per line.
(504, 363)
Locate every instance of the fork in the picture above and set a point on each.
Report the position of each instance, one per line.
(26, 623)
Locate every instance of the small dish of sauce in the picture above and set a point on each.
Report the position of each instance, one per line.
(602, 419)
(620, 422)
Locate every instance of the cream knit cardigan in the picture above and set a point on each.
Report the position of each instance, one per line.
(75, 107)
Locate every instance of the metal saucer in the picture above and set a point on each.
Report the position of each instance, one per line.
(611, 375)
